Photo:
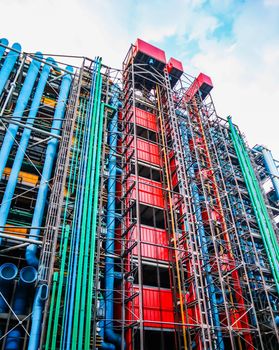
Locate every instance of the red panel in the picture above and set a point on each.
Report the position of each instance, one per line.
(204, 79)
(202, 83)
(150, 50)
(146, 120)
(157, 240)
(147, 152)
(150, 192)
(175, 65)
(157, 307)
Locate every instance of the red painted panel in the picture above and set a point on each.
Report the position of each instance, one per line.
(147, 152)
(203, 83)
(146, 120)
(174, 64)
(157, 247)
(150, 192)
(150, 50)
(157, 308)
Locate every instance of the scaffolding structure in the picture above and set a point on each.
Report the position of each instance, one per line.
(132, 216)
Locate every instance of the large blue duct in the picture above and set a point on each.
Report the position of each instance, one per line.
(13, 339)
(214, 300)
(8, 272)
(11, 185)
(51, 152)
(37, 316)
(110, 335)
(272, 170)
(8, 64)
(4, 42)
(19, 110)
(27, 277)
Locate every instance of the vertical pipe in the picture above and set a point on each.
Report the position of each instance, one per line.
(11, 185)
(27, 278)
(48, 166)
(8, 65)
(71, 282)
(203, 241)
(111, 336)
(37, 315)
(4, 42)
(251, 183)
(19, 110)
(272, 170)
(81, 289)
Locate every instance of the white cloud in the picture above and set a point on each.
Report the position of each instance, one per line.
(244, 71)
(245, 75)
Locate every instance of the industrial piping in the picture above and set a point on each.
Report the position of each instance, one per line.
(8, 64)
(11, 185)
(3, 42)
(48, 165)
(27, 277)
(19, 110)
(272, 170)
(214, 300)
(37, 315)
(76, 229)
(111, 336)
(8, 272)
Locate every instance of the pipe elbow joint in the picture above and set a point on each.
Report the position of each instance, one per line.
(113, 337)
(30, 255)
(107, 346)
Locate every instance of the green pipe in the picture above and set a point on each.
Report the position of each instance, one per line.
(262, 203)
(91, 177)
(71, 181)
(82, 274)
(76, 161)
(51, 309)
(60, 287)
(257, 202)
(72, 246)
(93, 236)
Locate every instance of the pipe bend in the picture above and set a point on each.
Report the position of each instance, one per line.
(30, 255)
(113, 337)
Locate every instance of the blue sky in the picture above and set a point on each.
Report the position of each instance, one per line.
(235, 42)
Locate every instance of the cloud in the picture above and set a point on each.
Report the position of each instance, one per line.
(235, 42)
(245, 73)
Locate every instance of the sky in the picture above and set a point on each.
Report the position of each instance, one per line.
(235, 42)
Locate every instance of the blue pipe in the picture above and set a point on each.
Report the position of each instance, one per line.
(51, 152)
(197, 209)
(19, 110)
(27, 278)
(37, 315)
(8, 64)
(13, 339)
(11, 185)
(111, 336)
(272, 170)
(4, 42)
(8, 272)
(105, 346)
(76, 230)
